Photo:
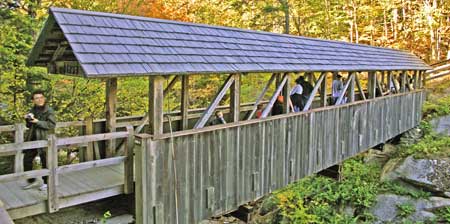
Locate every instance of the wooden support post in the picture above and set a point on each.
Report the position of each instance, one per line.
(285, 94)
(378, 85)
(314, 92)
(403, 81)
(358, 84)
(260, 97)
(129, 161)
(111, 102)
(424, 79)
(416, 79)
(323, 90)
(351, 88)
(309, 77)
(235, 103)
(371, 85)
(19, 138)
(208, 112)
(52, 183)
(274, 97)
(277, 79)
(155, 105)
(184, 102)
(89, 130)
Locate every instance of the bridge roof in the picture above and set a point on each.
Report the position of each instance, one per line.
(110, 45)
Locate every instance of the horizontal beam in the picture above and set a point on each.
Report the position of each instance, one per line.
(256, 121)
(24, 175)
(12, 147)
(90, 138)
(6, 128)
(90, 164)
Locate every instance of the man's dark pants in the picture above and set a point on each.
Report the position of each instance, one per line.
(28, 158)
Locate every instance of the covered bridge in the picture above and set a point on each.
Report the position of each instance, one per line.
(186, 172)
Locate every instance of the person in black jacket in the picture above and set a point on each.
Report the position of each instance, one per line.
(41, 121)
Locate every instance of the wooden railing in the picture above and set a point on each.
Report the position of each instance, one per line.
(54, 144)
(196, 174)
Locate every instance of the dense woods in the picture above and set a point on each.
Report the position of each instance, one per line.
(421, 27)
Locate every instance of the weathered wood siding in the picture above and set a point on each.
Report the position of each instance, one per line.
(220, 168)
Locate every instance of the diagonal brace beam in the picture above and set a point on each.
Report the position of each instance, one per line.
(171, 84)
(314, 92)
(274, 97)
(260, 97)
(358, 84)
(208, 112)
(347, 84)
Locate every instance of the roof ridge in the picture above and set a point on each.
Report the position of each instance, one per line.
(141, 18)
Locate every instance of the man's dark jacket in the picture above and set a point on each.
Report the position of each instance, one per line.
(46, 123)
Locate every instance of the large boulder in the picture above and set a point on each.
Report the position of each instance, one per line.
(441, 125)
(430, 174)
(386, 209)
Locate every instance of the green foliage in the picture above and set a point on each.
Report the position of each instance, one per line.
(404, 210)
(398, 189)
(430, 144)
(437, 107)
(317, 199)
(106, 216)
(444, 214)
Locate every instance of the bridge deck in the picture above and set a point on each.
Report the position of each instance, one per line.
(75, 188)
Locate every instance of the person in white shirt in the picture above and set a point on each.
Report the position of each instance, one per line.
(336, 88)
(296, 96)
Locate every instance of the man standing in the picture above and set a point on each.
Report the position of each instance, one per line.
(41, 121)
(336, 88)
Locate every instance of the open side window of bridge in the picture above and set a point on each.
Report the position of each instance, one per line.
(185, 169)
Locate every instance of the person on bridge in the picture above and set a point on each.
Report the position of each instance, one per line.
(277, 107)
(41, 121)
(219, 119)
(336, 88)
(296, 95)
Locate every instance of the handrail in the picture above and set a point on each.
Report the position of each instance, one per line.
(91, 164)
(254, 121)
(53, 170)
(13, 147)
(90, 138)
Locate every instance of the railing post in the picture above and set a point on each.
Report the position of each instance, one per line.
(129, 161)
(18, 138)
(52, 164)
(371, 84)
(89, 130)
(323, 90)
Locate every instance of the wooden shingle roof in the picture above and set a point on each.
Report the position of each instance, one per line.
(107, 45)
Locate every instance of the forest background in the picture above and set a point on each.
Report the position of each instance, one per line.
(419, 26)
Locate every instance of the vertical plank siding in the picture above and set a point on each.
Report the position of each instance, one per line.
(220, 169)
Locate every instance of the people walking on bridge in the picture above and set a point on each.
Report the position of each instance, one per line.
(41, 121)
(296, 95)
(336, 88)
(218, 119)
(307, 89)
(259, 110)
(278, 106)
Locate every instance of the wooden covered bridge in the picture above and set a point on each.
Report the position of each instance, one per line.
(183, 171)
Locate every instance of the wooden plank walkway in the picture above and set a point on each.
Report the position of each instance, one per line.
(75, 188)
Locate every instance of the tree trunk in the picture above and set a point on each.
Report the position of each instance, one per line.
(285, 8)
